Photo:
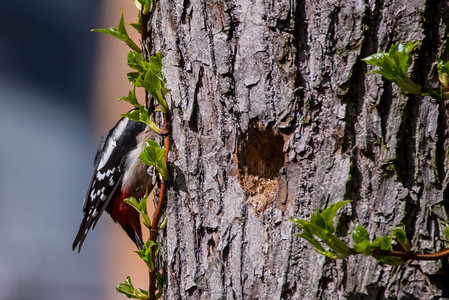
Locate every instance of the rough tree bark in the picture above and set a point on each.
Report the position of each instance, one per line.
(273, 117)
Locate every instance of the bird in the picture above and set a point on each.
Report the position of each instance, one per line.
(118, 174)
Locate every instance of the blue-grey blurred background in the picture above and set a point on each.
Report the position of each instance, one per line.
(46, 148)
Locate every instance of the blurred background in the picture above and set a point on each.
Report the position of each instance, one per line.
(59, 85)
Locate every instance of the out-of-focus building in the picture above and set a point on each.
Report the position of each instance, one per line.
(51, 69)
(110, 84)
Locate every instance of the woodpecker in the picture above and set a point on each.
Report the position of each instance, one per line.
(118, 174)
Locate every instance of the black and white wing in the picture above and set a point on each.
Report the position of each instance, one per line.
(109, 164)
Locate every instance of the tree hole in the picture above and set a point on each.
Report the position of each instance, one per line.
(260, 156)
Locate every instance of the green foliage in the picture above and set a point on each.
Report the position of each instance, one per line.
(321, 225)
(146, 4)
(137, 26)
(394, 65)
(443, 76)
(384, 244)
(164, 222)
(149, 76)
(160, 284)
(446, 231)
(141, 114)
(360, 237)
(141, 207)
(152, 155)
(146, 254)
(129, 291)
(402, 239)
(120, 33)
(362, 245)
(443, 72)
(131, 98)
(437, 94)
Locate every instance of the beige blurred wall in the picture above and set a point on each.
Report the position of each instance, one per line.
(111, 68)
(110, 84)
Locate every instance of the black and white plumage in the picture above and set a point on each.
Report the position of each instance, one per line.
(118, 174)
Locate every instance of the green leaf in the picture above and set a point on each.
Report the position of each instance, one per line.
(321, 225)
(360, 234)
(152, 155)
(329, 213)
(310, 229)
(315, 229)
(160, 283)
(446, 231)
(394, 66)
(143, 210)
(318, 220)
(341, 249)
(154, 81)
(382, 243)
(437, 94)
(328, 254)
(133, 78)
(146, 4)
(135, 61)
(164, 222)
(138, 26)
(141, 207)
(362, 247)
(138, 4)
(145, 292)
(443, 72)
(133, 202)
(131, 98)
(120, 33)
(129, 291)
(311, 239)
(146, 254)
(308, 232)
(149, 76)
(141, 115)
(402, 239)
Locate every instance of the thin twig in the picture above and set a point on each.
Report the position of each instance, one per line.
(412, 255)
(159, 211)
(409, 255)
(163, 187)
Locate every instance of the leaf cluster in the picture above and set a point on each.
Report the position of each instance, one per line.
(321, 225)
(149, 251)
(442, 93)
(394, 66)
(153, 156)
(141, 207)
(129, 291)
(120, 33)
(443, 72)
(363, 245)
(146, 74)
(149, 76)
(143, 5)
(141, 114)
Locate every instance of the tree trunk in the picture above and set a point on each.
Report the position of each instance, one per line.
(273, 117)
